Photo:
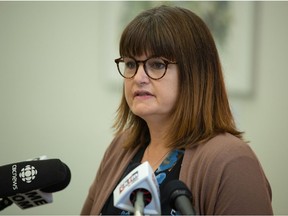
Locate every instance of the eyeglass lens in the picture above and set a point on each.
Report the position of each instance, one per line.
(154, 67)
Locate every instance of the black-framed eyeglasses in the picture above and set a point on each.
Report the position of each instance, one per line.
(154, 67)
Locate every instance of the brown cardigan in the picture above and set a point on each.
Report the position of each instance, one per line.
(224, 176)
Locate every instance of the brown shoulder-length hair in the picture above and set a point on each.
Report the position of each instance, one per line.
(202, 110)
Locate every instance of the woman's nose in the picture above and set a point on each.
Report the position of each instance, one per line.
(141, 75)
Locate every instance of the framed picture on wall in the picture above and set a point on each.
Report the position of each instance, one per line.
(232, 24)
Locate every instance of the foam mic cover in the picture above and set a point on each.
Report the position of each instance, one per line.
(60, 185)
(180, 197)
(49, 175)
(140, 179)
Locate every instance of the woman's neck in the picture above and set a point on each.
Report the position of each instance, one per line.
(158, 149)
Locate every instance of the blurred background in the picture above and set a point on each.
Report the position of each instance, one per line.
(59, 87)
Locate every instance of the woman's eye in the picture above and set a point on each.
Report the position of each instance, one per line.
(130, 64)
(157, 64)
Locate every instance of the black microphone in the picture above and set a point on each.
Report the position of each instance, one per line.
(30, 183)
(180, 197)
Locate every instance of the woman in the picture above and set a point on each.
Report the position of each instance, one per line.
(175, 114)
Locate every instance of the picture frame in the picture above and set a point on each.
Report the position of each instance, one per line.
(232, 24)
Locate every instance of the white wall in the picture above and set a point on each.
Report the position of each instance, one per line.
(58, 94)
(264, 116)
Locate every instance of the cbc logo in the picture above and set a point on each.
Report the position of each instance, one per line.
(28, 173)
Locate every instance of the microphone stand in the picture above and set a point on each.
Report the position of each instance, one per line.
(139, 204)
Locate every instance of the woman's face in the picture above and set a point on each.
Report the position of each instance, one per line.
(152, 100)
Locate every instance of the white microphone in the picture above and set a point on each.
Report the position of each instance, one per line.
(138, 192)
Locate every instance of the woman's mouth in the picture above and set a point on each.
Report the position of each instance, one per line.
(142, 93)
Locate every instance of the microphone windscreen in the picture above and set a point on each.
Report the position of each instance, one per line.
(174, 189)
(61, 184)
(26, 176)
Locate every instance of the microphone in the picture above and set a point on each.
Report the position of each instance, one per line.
(179, 197)
(31, 183)
(138, 191)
